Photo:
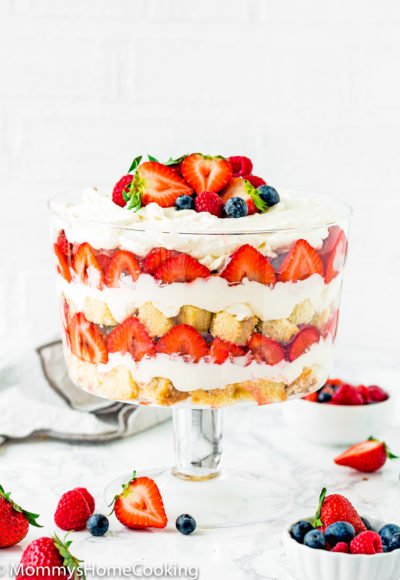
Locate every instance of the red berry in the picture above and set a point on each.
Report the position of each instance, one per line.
(160, 184)
(303, 341)
(347, 395)
(88, 497)
(255, 181)
(140, 505)
(209, 201)
(336, 508)
(63, 243)
(341, 547)
(301, 262)
(240, 165)
(131, 336)
(119, 188)
(376, 394)
(73, 511)
(86, 340)
(368, 456)
(45, 558)
(247, 262)
(183, 340)
(155, 258)
(181, 268)
(87, 267)
(265, 349)
(206, 173)
(366, 543)
(122, 263)
(14, 521)
(221, 350)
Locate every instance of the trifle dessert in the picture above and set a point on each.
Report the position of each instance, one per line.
(193, 282)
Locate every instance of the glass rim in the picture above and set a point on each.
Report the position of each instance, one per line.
(345, 214)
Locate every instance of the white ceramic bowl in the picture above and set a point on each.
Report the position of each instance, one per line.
(338, 424)
(309, 564)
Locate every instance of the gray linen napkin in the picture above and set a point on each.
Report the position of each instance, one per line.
(38, 399)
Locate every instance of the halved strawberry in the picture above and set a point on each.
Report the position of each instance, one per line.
(184, 340)
(221, 350)
(301, 262)
(62, 265)
(239, 187)
(182, 268)
(122, 263)
(265, 349)
(63, 243)
(335, 258)
(247, 262)
(302, 342)
(368, 456)
(155, 258)
(87, 342)
(158, 183)
(131, 336)
(140, 504)
(104, 260)
(87, 267)
(206, 173)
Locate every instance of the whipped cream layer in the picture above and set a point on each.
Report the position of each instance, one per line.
(212, 294)
(187, 376)
(97, 220)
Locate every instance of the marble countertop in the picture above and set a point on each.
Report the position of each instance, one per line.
(255, 439)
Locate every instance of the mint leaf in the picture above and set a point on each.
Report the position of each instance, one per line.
(135, 164)
(260, 204)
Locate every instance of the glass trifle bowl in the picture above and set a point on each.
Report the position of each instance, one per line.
(182, 310)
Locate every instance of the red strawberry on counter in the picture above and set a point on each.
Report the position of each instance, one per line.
(131, 336)
(336, 508)
(140, 504)
(74, 509)
(52, 555)
(247, 262)
(206, 173)
(87, 342)
(14, 521)
(301, 262)
(183, 339)
(368, 456)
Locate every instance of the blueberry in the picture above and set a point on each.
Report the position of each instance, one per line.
(339, 532)
(236, 207)
(185, 524)
(184, 202)
(269, 195)
(367, 524)
(387, 532)
(315, 539)
(97, 525)
(394, 543)
(299, 530)
(324, 397)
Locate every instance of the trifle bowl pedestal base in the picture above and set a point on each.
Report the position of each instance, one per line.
(196, 485)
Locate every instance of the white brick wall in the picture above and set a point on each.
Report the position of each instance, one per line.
(310, 90)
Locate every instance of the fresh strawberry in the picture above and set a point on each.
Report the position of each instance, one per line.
(73, 510)
(123, 263)
(206, 173)
(265, 349)
(313, 397)
(140, 504)
(210, 202)
(183, 340)
(255, 181)
(63, 243)
(221, 350)
(347, 395)
(155, 182)
(181, 268)
(341, 547)
(49, 558)
(363, 390)
(240, 165)
(368, 542)
(336, 508)
(247, 262)
(62, 264)
(87, 267)
(87, 342)
(121, 187)
(301, 262)
(239, 187)
(131, 336)
(376, 394)
(334, 259)
(14, 521)
(368, 456)
(155, 258)
(302, 342)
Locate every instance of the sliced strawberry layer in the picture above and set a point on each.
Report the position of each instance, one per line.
(104, 260)
(131, 336)
(335, 258)
(63, 243)
(247, 262)
(237, 188)
(221, 350)
(62, 265)
(160, 184)
(140, 505)
(182, 268)
(265, 349)
(205, 173)
(302, 342)
(87, 342)
(123, 263)
(87, 267)
(155, 258)
(183, 340)
(301, 262)
(332, 325)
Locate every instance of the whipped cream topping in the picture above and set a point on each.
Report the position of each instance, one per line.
(97, 220)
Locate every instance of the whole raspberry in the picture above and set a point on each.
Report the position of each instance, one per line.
(240, 165)
(255, 181)
(88, 497)
(341, 547)
(119, 188)
(74, 509)
(209, 201)
(366, 543)
(376, 394)
(347, 395)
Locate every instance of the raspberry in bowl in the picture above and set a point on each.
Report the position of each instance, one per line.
(196, 285)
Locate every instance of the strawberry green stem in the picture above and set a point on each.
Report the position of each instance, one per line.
(71, 563)
(389, 454)
(317, 523)
(31, 517)
(125, 487)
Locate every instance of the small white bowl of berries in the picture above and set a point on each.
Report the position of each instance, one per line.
(339, 544)
(340, 413)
